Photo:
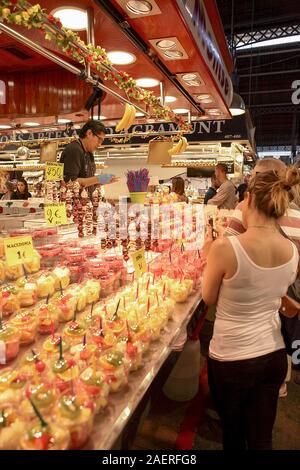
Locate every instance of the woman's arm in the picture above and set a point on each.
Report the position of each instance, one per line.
(216, 268)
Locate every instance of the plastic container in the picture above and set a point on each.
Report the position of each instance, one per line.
(50, 255)
(77, 270)
(183, 382)
(9, 343)
(138, 198)
(73, 255)
(107, 285)
(97, 268)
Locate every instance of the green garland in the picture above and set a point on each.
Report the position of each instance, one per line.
(20, 12)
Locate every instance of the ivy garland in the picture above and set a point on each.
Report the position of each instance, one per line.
(20, 12)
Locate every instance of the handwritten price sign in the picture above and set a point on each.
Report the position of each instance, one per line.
(56, 214)
(54, 171)
(18, 250)
(139, 262)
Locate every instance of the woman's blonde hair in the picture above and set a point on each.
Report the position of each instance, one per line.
(273, 191)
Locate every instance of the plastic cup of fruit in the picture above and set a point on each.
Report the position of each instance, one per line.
(188, 284)
(77, 420)
(13, 272)
(50, 255)
(179, 293)
(103, 341)
(134, 353)
(80, 295)
(89, 250)
(27, 293)
(51, 345)
(50, 437)
(92, 289)
(9, 343)
(95, 386)
(73, 255)
(12, 383)
(112, 364)
(65, 371)
(66, 306)
(169, 305)
(34, 264)
(10, 302)
(83, 353)
(26, 323)
(76, 270)
(11, 428)
(74, 332)
(116, 326)
(97, 267)
(45, 285)
(107, 286)
(47, 315)
(44, 396)
(61, 277)
(155, 325)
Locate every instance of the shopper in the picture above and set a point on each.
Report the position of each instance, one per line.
(212, 190)
(246, 276)
(178, 189)
(225, 197)
(22, 191)
(242, 188)
(10, 187)
(78, 158)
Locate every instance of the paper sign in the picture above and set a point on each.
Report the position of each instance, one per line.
(56, 214)
(18, 250)
(54, 171)
(139, 262)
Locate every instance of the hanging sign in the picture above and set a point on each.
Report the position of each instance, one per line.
(54, 171)
(139, 262)
(56, 214)
(18, 250)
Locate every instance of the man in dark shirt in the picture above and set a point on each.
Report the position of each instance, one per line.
(212, 191)
(78, 158)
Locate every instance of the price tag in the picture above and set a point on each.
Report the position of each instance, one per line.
(56, 214)
(18, 250)
(54, 171)
(139, 262)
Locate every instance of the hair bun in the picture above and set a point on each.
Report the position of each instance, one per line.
(292, 178)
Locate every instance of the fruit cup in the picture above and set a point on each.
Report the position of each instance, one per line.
(47, 315)
(9, 343)
(26, 323)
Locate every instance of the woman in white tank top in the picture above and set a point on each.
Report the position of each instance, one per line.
(246, 276)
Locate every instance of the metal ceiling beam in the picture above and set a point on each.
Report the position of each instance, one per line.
(257, 36)
(260, 53)
(291, 109)
(264, 92)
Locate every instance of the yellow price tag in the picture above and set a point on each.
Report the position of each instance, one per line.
(54, 171)
(56, 214)
(18, 250)
(139, 262)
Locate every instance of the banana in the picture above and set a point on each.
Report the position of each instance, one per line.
(123, 123)
(184, 145)
(131, 119)
(176, 149)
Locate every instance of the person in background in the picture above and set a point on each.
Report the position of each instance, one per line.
(246, 276)
(212, 190)
(242, 188)
(178, 189)
(10, 187)
(225, 197)
(21, 191)
(78, 158)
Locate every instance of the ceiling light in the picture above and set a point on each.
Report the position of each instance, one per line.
(31, 124)
(205, 98)
(5, 126)
(187, 77)
(102, 118)
(166, 44)
(213, 111)
(71, 18)
(140, 114)
(193, 83)
(173, 54)
(147, 82)
(141, 7)
(180, 110)
(207, 101)
(121, 58)
(237, 106)
(63, 121)
(170, 99)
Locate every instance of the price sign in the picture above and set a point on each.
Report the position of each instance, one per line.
(54, 171)
(139, 262)
(18, 250)
(56, 214)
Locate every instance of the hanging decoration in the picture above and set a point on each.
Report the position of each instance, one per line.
(22, 13)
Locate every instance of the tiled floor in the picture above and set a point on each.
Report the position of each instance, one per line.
(161, 427)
